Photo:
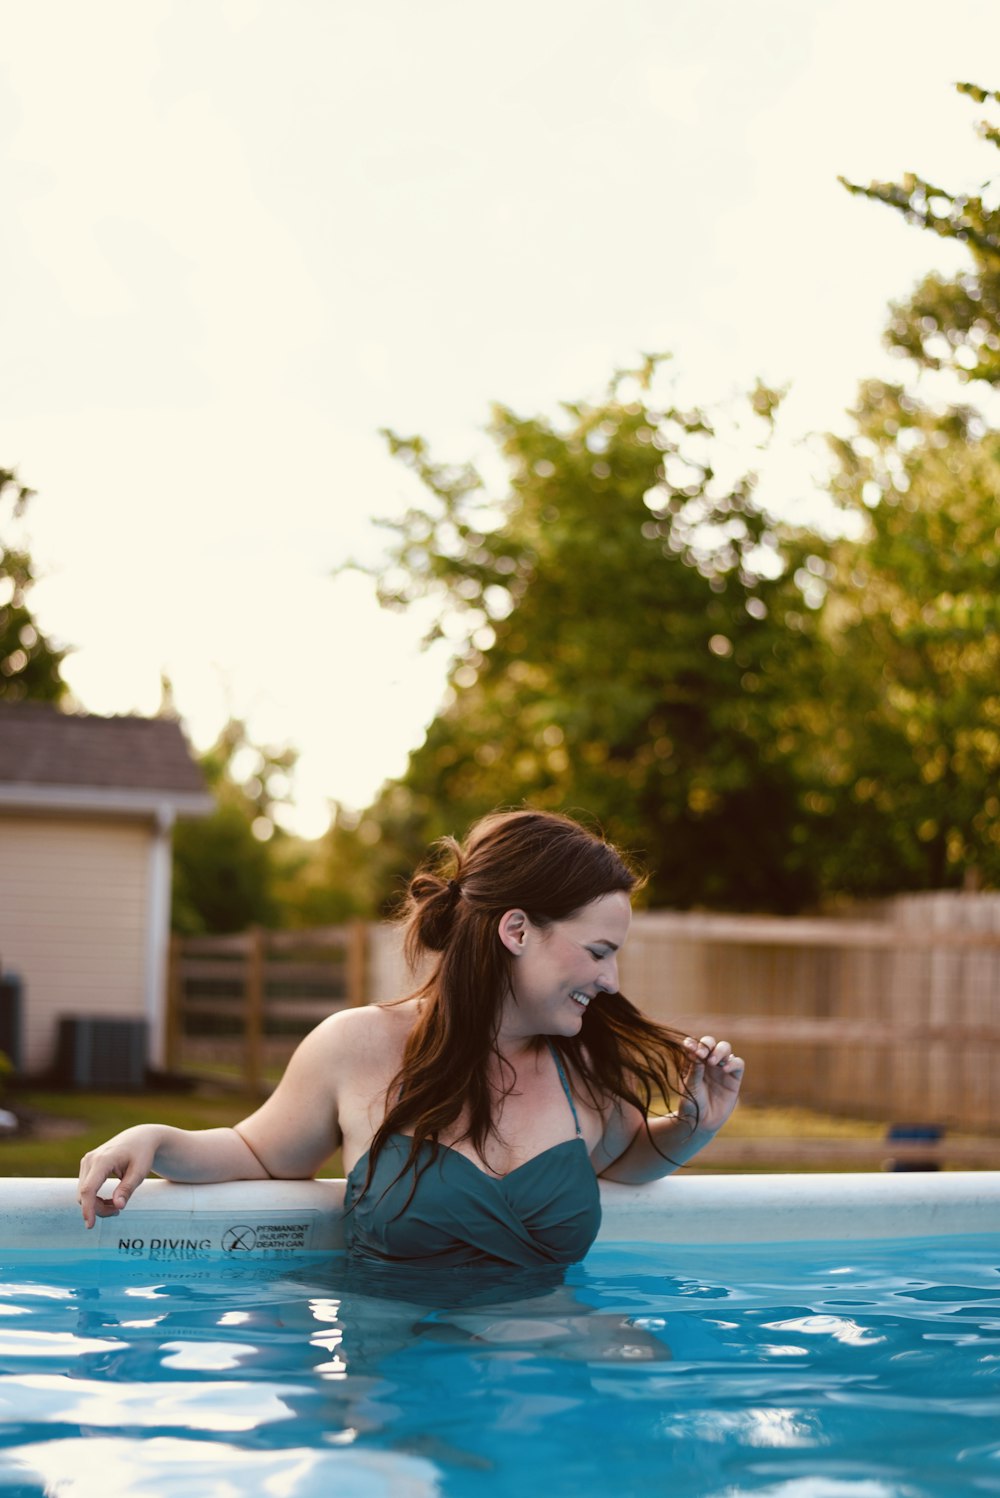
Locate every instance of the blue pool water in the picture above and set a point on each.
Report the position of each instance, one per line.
(823, 1370)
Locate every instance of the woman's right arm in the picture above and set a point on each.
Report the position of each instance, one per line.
(288, 1137)
(177, 1154)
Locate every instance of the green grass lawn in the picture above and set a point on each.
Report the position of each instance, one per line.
(70, 1123)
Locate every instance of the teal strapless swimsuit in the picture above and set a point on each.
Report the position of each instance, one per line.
(547, 1211)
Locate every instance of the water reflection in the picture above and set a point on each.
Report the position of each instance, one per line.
(382, 1310)
(731, 1373)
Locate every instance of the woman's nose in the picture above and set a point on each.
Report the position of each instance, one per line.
(608, 980)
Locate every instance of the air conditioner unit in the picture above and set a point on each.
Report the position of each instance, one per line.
(101, 1052)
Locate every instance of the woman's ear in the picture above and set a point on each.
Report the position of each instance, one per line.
(513, 931)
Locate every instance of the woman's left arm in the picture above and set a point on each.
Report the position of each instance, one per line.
(712, 1087)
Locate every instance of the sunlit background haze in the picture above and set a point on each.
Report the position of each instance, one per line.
(240, 236)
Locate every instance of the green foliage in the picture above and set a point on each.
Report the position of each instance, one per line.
(226, 865)
(767, 718)
(30, 665)
(636, 646)
(912, 733)
(329, 881)
(913, 616)
(951, 322)
(222, 874)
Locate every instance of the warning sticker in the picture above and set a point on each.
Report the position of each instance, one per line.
(152, 1236)
(239, 1239)
(267, 1236)
(165, 1246)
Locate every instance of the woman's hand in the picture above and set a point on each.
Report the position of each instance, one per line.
(659, 1145)
(712, 1083)
(192, 1155)
(127, 1158)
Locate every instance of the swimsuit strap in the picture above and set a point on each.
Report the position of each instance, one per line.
(562, 1078)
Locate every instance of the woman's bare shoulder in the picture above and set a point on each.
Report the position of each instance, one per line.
(357, 1035)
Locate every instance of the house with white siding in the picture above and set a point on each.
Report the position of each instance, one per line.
(87, 807)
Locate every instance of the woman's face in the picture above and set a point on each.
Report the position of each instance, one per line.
(559, 970)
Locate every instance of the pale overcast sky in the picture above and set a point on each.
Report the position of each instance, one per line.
(239, 236)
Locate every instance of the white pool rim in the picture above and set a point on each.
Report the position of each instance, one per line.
(278, 1219)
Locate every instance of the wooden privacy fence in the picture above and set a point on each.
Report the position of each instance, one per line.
(238, 1005)
(894, 1018)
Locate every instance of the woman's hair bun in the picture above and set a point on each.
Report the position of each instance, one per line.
(430, 908)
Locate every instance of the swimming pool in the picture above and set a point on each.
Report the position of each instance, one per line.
(807, 1337)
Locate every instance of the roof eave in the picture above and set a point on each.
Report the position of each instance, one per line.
(104, 801)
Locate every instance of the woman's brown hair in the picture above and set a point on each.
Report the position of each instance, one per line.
(550, 867)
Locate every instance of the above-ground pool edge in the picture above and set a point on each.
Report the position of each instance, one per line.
(266, 1219)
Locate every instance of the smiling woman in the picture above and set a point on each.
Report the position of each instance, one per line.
(476, 1114)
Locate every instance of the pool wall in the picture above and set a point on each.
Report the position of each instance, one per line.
(278, 1219)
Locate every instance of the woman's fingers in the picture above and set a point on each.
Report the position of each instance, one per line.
(104, 1206)
(97, 1168)
(92, 1178)
(709, 1051)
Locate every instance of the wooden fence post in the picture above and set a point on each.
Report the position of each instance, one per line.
(253, 1000)
(173, 1027)
(357, 963)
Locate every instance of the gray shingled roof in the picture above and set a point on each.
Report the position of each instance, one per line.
(40, 746)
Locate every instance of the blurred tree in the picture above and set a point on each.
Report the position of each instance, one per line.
(637, 647)
(30, 665)
(253, 776)
(222, 874)
(951, 322)
(912, 743)
(912, 746)
(332, 879)
(226, 865)
(763, 716)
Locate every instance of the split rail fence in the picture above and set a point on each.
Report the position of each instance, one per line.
(894, 1018)
(238, 1005)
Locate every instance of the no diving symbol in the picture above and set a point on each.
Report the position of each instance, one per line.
(238, 1239)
